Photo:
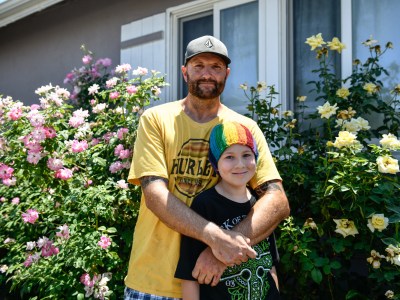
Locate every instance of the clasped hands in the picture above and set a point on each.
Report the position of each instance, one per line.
(230, 248)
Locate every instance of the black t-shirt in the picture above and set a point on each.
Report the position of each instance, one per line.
(251, 279)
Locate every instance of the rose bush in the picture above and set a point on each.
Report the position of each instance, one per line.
(342, 180)
(67, 211)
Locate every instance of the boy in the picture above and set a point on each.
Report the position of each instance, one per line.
(233, 154)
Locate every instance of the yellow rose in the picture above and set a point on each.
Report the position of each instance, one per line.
(327, 110)
(345, 227)
(396, 260)
(370, 42)
(390, 141)
(343, 93)
(261, 86)
(288, 113)
(310, 223)
(396, 89)
(303, 98)
(315, 41)
(389, 294)
(370, 88)
(335, 44)
(378, 222)
(387, 164)
(345, 139)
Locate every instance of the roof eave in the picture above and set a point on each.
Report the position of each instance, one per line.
(14, 10)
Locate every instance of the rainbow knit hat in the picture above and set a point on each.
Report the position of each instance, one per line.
(227, 134)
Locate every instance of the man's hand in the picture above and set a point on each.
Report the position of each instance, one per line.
(231, 247)
(208, 269)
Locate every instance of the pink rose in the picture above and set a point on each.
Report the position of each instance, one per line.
(50, 132)
(10, 181)
(5, 171)
(64, 232)
(76, 121)
(114, 95)
(121, 133)
(63, 174)
(15, 113)
(104, 242)
(87, 59)
(77, 146)
(131, 89)
(55, 164)
(30, 216)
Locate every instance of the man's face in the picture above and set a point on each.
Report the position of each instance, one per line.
(206, 75)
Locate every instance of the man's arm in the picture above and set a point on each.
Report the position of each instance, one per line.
(228, 246)
(266, 214)
(271, 208)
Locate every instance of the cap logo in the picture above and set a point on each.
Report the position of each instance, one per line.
(208, 44)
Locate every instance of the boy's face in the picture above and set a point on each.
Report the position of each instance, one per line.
(237, 165)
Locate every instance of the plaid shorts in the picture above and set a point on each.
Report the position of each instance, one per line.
(136, 295)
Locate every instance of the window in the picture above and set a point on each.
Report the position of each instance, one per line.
(353, 22)
(310, 18)
(379, 20)
(238, 29)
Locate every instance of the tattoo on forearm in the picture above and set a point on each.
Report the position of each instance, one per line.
(145, 181)
(267, 187)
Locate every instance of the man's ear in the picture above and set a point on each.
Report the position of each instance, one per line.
(184, 72)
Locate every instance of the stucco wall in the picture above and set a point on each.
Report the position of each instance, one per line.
(42, 48)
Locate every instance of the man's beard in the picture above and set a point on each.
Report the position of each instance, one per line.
(205, 92)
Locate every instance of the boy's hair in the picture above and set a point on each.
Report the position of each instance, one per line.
(227, 134)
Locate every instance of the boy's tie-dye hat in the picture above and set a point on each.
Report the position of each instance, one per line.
(227, 134)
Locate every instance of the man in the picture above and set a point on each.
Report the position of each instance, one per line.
(170, 163)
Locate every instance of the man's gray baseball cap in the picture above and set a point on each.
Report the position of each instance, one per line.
(206, 44)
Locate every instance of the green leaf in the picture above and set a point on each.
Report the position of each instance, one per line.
(329, 190)
(111, 230)
(100, 161)
(327, 269)
(316, 275)
(80, 296)
(336, 265)
(352, 294)
(321, 261)
(390, 241)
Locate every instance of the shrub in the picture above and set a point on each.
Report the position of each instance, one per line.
(341, 176)
(67, 211)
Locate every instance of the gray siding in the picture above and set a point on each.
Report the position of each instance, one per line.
(42, 48)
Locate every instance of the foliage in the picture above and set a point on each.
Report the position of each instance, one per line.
(67, 212)
(341, 177)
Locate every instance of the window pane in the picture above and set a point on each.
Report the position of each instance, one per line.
(379, 19)
(239, 32)
(311, 17)
(191, 28)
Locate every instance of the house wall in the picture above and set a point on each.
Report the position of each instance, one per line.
(42, 48)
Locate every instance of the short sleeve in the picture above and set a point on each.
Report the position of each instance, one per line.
(148, 153)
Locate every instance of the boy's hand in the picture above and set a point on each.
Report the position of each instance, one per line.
(208, 269)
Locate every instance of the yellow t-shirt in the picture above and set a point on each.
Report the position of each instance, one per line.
(171, 145)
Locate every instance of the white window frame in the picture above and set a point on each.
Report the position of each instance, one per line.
(272, 40)
(346, 37)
